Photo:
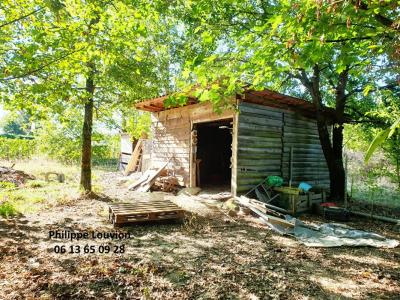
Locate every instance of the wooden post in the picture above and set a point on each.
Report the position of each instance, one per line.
(290, 166)
(294, 203)
(193, 157)
(198, 161)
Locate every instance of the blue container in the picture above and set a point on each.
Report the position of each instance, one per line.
(304, 186)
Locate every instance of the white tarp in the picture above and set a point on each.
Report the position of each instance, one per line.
(335, 235)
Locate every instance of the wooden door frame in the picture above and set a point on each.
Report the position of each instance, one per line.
(193, 150)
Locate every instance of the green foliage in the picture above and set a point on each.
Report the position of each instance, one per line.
(13, 128)
(92, 54)
(121, 42)
(16, 136)
(389, 113)
(16, 123)
(280, 44)
(372, 182)
(60, 139)
(357, 136)
(7, 210)
(391, 149)
(136, 123)
(378, 140)
(17, 148)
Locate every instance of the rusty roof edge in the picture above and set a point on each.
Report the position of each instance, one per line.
(325, 109)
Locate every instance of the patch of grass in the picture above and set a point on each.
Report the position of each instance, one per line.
(178, 277)
(375, 194)
(37, 197)
(36, 184)
(7, 210)
(38, 166)
(22, 201)
(7, 185)
(37, 194)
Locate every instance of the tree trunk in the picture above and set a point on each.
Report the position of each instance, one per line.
(86, 162)
(333, 156)
(397, 153)
(398, 172)
(336, 170)
(332, 148)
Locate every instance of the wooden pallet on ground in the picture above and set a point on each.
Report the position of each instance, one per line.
(122, 213)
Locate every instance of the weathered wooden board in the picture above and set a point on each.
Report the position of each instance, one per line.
(134, 161)
(259, 144)
(265, 137)
(308, 160)
(256, 109)
(258, 127)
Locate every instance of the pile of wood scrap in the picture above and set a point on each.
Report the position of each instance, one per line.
(269, 216)
(156, 179)
(313, 235)
(167, 184)
(15, 176)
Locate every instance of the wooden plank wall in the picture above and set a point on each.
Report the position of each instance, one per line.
(171, 136)
(309, 163)
(259, 145)
(265, 136)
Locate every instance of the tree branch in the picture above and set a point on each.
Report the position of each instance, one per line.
(391, 87)
(21, 17)
(385, 21)
(31, 72)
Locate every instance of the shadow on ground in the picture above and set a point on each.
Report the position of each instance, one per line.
(200, 258)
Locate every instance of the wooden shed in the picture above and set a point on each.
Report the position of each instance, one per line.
(238, 147)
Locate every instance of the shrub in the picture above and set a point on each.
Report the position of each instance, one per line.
(7, 210)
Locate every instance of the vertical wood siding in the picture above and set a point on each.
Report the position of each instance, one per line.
(309, 163)
(265, 136)
(259, 145)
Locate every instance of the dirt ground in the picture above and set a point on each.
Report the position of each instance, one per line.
(209, 255)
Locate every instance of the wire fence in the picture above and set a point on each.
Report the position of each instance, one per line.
(372, 185)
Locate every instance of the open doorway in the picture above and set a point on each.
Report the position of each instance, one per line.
(214, 152)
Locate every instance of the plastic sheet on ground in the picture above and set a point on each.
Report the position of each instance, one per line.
(334, 235)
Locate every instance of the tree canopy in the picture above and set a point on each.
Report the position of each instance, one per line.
(96, 54)
(101, 55)
(328, 52)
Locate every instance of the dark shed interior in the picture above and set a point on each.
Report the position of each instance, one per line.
(214, 149)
